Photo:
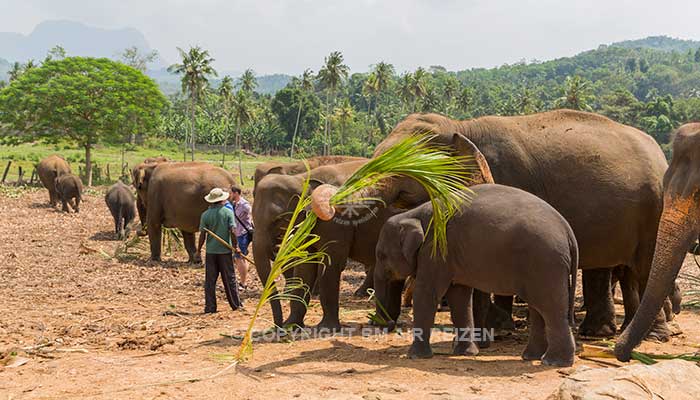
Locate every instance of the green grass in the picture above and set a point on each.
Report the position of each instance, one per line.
(28, 155)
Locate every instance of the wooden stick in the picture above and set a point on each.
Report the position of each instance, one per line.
(225, 243)
(7, 169)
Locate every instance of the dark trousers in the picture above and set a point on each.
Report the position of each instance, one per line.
(216, 264)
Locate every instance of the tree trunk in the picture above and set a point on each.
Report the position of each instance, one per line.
(677, 229)
(326, 136)
(88, 164)
(223, 155)
(238, 145)
(296, 126)
(192, 117)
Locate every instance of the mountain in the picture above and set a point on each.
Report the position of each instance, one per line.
(4, 68)
(664, 43)
(76, 38)
(267, 84)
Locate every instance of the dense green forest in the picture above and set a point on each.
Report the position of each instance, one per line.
(652, 84)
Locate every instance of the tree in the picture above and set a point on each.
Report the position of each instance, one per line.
(345, 113)
(225, 93)
(195, 68)
(331, 75)
(56, 53)
(248, 81)
(305, 84)
(577, 94)
(449, 90)
(83, 100)
(697, 55)
(242, 110)
(405, 90)
(285, 106)
(133, 57)
(15, 72)
(419, 86)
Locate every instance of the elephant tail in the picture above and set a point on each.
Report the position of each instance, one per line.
(573, 270)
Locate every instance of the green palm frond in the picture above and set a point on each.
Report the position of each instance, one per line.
(443, 176)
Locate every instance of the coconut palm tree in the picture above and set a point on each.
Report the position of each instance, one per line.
(331, 75)
(449, 91)
(345, 113)
(225, 93)
(242, 111)
(419, 86)
(195, 68)
(383, 73)
(248, 82)
(577, 94)
(305, 84)
(405, 90)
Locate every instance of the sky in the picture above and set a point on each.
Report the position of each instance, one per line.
(277, 36)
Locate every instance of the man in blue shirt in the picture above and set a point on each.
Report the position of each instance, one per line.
(244, 231)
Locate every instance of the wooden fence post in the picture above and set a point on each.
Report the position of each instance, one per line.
(31, 180)
(7, 169)
(20, 181)
(109, 178)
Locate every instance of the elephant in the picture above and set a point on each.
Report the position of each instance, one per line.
(352, 234)
(540, 266)
(297, 167)
(122, 204)
(140, 175)
(175, 199)
(678, 227)
(48, 170)
(605, 179)
(69, 189)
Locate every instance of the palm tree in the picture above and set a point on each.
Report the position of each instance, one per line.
(248, 82)
(577, 94)
(419, 85)
(405, 91)
(195, 69)
(242, 111)
(344, 114)
(383, 73)
(370, 90)
(305, 84)
(449, 91)
(226, 95)
(331, 76)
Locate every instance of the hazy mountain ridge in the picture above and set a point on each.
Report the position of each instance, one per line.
(664, 43)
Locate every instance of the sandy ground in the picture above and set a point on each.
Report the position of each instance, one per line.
(92, 327)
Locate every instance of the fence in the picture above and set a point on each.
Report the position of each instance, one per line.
(102, 174)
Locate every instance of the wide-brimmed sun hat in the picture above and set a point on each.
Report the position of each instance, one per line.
(216, 195)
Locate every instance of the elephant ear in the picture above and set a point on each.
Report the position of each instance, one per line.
(466, 147)
(275, 171)
(411, 237)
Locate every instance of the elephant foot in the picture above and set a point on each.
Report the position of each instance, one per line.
(361, 291)
(420, 350)
(659, 332)
(294, 323)
(558, 361)
(464, 348)
(601, 327)
(156, 258)
(668, 311)
(196, 260)
(534, 351)
(332, 326)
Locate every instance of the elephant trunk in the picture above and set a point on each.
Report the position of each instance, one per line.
(677, 228)
(262, 253)
(387, 293)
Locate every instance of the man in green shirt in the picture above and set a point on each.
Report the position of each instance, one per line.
(221, 221)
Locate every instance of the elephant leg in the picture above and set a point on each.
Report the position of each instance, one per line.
(189, 241)
(629, 283)
(53, 199)
(600, 310)
(460, 299)
(481, 306)
(64, 204)
(561, 346)
(500, 314)
(425, 302)
(537, 340)
(330, 293)
(154, 238)
(368, 283)
(75, 203)
(305, 274)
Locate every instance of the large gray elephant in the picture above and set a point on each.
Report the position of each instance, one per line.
(605, 178)
(140, 176)
(48, 170)
(175, 199)
(297, 167)
(678, 228)
(540, 266)
(353, 234)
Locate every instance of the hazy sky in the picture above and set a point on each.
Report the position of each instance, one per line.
(288, 36)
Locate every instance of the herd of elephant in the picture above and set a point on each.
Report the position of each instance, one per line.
(553, 192)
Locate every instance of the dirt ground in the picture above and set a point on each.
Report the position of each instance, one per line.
(93, 327)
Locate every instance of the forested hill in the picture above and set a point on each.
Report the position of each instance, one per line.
(664, 43)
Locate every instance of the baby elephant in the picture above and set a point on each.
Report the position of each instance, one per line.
(69, 188)
(507, 242)
(121, 203)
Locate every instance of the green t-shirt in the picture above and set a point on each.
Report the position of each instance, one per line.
(219, 220)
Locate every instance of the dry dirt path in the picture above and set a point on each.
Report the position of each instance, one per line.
(134, 330)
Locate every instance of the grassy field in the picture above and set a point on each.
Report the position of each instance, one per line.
(28, 155)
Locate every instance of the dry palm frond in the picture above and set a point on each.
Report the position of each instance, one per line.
(171, 240)
(607, 351)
